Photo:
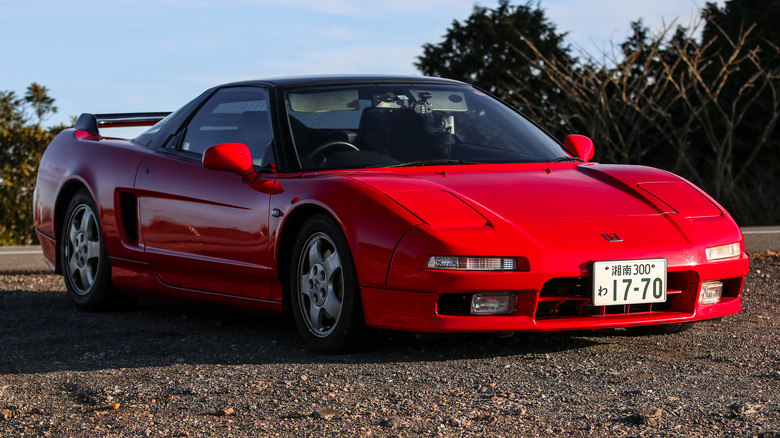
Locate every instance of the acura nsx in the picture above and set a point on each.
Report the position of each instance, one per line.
(407, 203)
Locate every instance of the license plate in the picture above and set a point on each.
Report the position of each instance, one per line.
(629, 282)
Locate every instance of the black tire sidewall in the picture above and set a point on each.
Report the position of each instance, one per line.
(347, 334)
(97, 297)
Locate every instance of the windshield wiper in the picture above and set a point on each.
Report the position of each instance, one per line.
(436, 162)
(566, 160)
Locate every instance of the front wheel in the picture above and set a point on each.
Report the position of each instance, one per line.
(325, 296)
(85, 263)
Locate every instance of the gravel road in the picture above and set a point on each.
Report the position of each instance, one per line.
(168, 370)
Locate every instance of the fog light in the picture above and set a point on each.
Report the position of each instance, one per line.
(492, 304)
(710, 292)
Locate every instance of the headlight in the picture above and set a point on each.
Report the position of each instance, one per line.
(459, 263)
(723, 252)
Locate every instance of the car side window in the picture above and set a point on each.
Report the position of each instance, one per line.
(232, 115)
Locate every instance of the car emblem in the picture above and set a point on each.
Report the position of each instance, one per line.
(611, 237)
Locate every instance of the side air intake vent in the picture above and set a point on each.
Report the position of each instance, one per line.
(129, 215)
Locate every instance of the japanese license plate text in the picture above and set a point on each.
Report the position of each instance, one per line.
(629, 282)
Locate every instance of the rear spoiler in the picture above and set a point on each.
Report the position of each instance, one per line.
(91, 122)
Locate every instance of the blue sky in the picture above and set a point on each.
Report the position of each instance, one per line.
(124, 56)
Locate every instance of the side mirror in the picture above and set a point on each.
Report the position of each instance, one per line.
(231, 157)
(579, 145)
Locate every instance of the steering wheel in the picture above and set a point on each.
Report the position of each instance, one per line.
(318, 152)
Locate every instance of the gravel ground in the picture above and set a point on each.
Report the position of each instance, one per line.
(168, 370)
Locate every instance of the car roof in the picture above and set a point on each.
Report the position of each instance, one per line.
(297, 81)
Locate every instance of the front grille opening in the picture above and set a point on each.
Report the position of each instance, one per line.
(571, 297)
(567, 287)
(454, 304)
(732, 287)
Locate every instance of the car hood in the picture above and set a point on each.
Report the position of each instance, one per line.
(549, 205)
(523, 192)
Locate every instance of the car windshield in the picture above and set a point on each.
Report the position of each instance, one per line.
(362, 126)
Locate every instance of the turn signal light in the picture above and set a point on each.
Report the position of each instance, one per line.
(723, 252)
(478, 263)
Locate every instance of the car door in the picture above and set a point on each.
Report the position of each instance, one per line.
(203, 229)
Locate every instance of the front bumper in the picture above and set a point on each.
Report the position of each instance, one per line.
(552, 307)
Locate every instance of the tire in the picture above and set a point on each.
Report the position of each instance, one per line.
(663, 329)
(85, 264)
(325, 297)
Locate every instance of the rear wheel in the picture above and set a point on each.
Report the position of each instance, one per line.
(325, 296)
(85, 264)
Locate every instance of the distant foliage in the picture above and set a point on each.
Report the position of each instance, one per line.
(22, 142)
(486, 50)
(707, 110)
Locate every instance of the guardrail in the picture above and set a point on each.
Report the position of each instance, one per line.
(30, 258)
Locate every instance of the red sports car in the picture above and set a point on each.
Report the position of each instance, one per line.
(405, 203)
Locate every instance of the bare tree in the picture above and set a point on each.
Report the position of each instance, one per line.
(680, 105)
(720, 92)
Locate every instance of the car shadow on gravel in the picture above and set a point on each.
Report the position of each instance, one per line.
(42, 332)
